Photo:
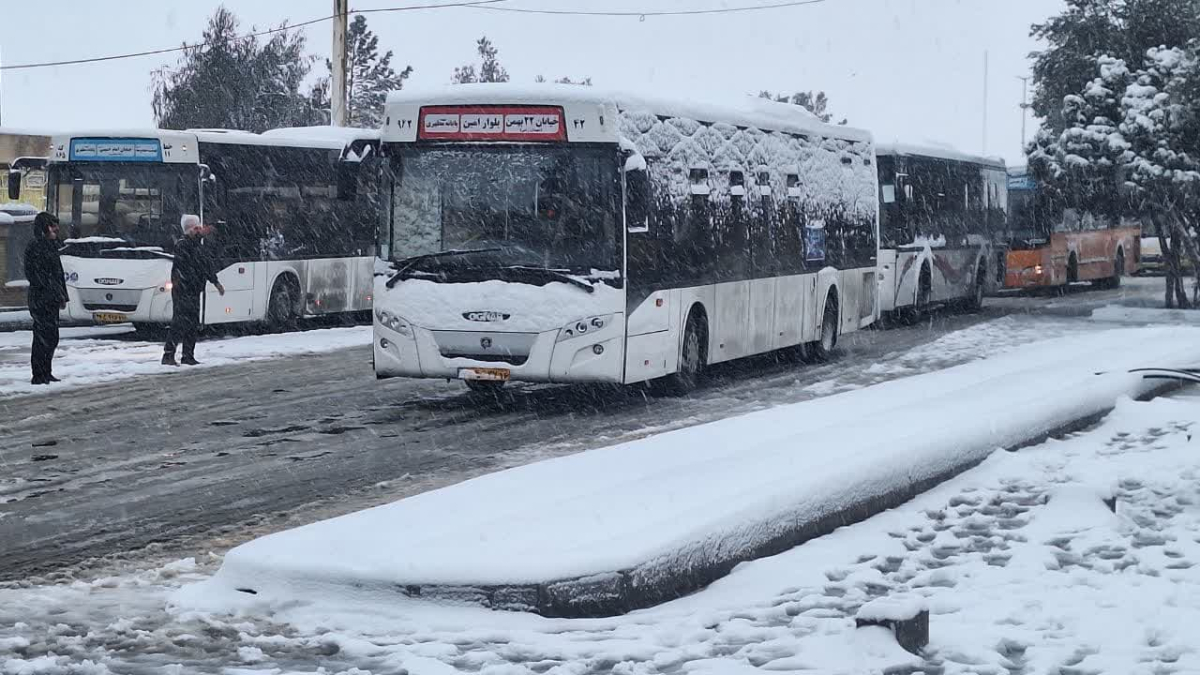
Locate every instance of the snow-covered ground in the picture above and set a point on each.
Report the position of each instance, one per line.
(104, 354)
(668, 508)
(1022, 564)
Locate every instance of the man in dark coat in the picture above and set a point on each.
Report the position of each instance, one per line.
(47, 295)
(192, 269)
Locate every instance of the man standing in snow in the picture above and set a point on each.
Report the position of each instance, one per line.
(47, 295)
(192, 269)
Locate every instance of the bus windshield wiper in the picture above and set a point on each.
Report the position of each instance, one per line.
(557, 275)
(407, 264)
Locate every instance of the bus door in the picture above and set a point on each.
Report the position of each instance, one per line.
(236, 271)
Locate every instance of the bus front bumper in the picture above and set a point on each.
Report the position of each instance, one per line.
(416, 352)
(1028, 269)
(119, 305)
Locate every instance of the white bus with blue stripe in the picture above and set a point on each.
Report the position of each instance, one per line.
(287, 246)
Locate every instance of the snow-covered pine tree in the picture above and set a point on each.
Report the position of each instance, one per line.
(233, 81)
(369, 77)
(1161, 125)
(489, 69)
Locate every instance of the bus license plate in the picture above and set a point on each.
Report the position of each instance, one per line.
(109, 317)
(490, 374)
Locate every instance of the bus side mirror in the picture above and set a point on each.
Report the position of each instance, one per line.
(347, 181)
(14, 185)
(637, 195)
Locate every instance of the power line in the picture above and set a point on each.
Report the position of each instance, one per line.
(678, 12)
(152, 52)
(473, 4)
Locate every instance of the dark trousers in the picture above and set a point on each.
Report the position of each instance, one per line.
(45, 341)
(185, 323)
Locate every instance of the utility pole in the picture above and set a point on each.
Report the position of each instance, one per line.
(1024, 107)
(337, 93)
(985, 100)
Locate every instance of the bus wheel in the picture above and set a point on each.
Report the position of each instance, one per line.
(281, 310)
(976, 301)
(822, 350)
(692, 360)
(913, 314)
(1118, 271)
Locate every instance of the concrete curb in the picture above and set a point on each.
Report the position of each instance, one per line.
(622, 591)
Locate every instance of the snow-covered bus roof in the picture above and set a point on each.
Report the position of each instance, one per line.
(744, 111)
(937, 151)
(342, 135)
(175, 146)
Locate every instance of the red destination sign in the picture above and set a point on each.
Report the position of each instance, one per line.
(492, 123)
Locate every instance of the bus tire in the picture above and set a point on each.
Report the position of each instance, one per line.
(693, 358)
(1118, 271)
(281, 309)
(923, 299)
(975, 302)
(827, 339)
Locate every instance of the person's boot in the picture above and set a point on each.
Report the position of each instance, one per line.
(189, 361)
(51, 378)
(39, 380)
(169, 360)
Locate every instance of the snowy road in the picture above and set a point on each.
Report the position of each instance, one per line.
(1022, 564)
(201, 460)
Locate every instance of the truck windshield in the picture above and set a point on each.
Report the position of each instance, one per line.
(139, 205)
(529, 206)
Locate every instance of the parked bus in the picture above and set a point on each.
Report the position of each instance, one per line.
(941, 227)
(560, 234)
(287, 248)
(1050, 245)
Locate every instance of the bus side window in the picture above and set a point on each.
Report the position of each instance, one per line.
(638, 199)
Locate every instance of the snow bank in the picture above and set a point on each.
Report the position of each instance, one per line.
(645, 521)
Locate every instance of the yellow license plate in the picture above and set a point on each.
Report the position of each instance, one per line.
(109, 317)
(491, 374)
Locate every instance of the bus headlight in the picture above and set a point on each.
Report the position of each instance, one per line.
(584, 326)
(392, 322)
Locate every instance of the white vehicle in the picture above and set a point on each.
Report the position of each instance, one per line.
(941, 227)
(287, 247)
(562, 234)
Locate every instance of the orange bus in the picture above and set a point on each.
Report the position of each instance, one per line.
(1053, 246)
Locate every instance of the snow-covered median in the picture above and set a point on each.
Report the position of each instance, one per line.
(106, 354)
(651, 519)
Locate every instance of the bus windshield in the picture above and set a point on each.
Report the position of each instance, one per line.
(1023, 226)
(552, 208)
(139, 204)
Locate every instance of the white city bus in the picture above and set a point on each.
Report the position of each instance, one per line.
(562, 234)
(287, 247)
(941, 228)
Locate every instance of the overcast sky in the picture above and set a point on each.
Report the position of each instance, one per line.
(908, 70)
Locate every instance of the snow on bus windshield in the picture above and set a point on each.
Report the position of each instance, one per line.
(541, 207)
